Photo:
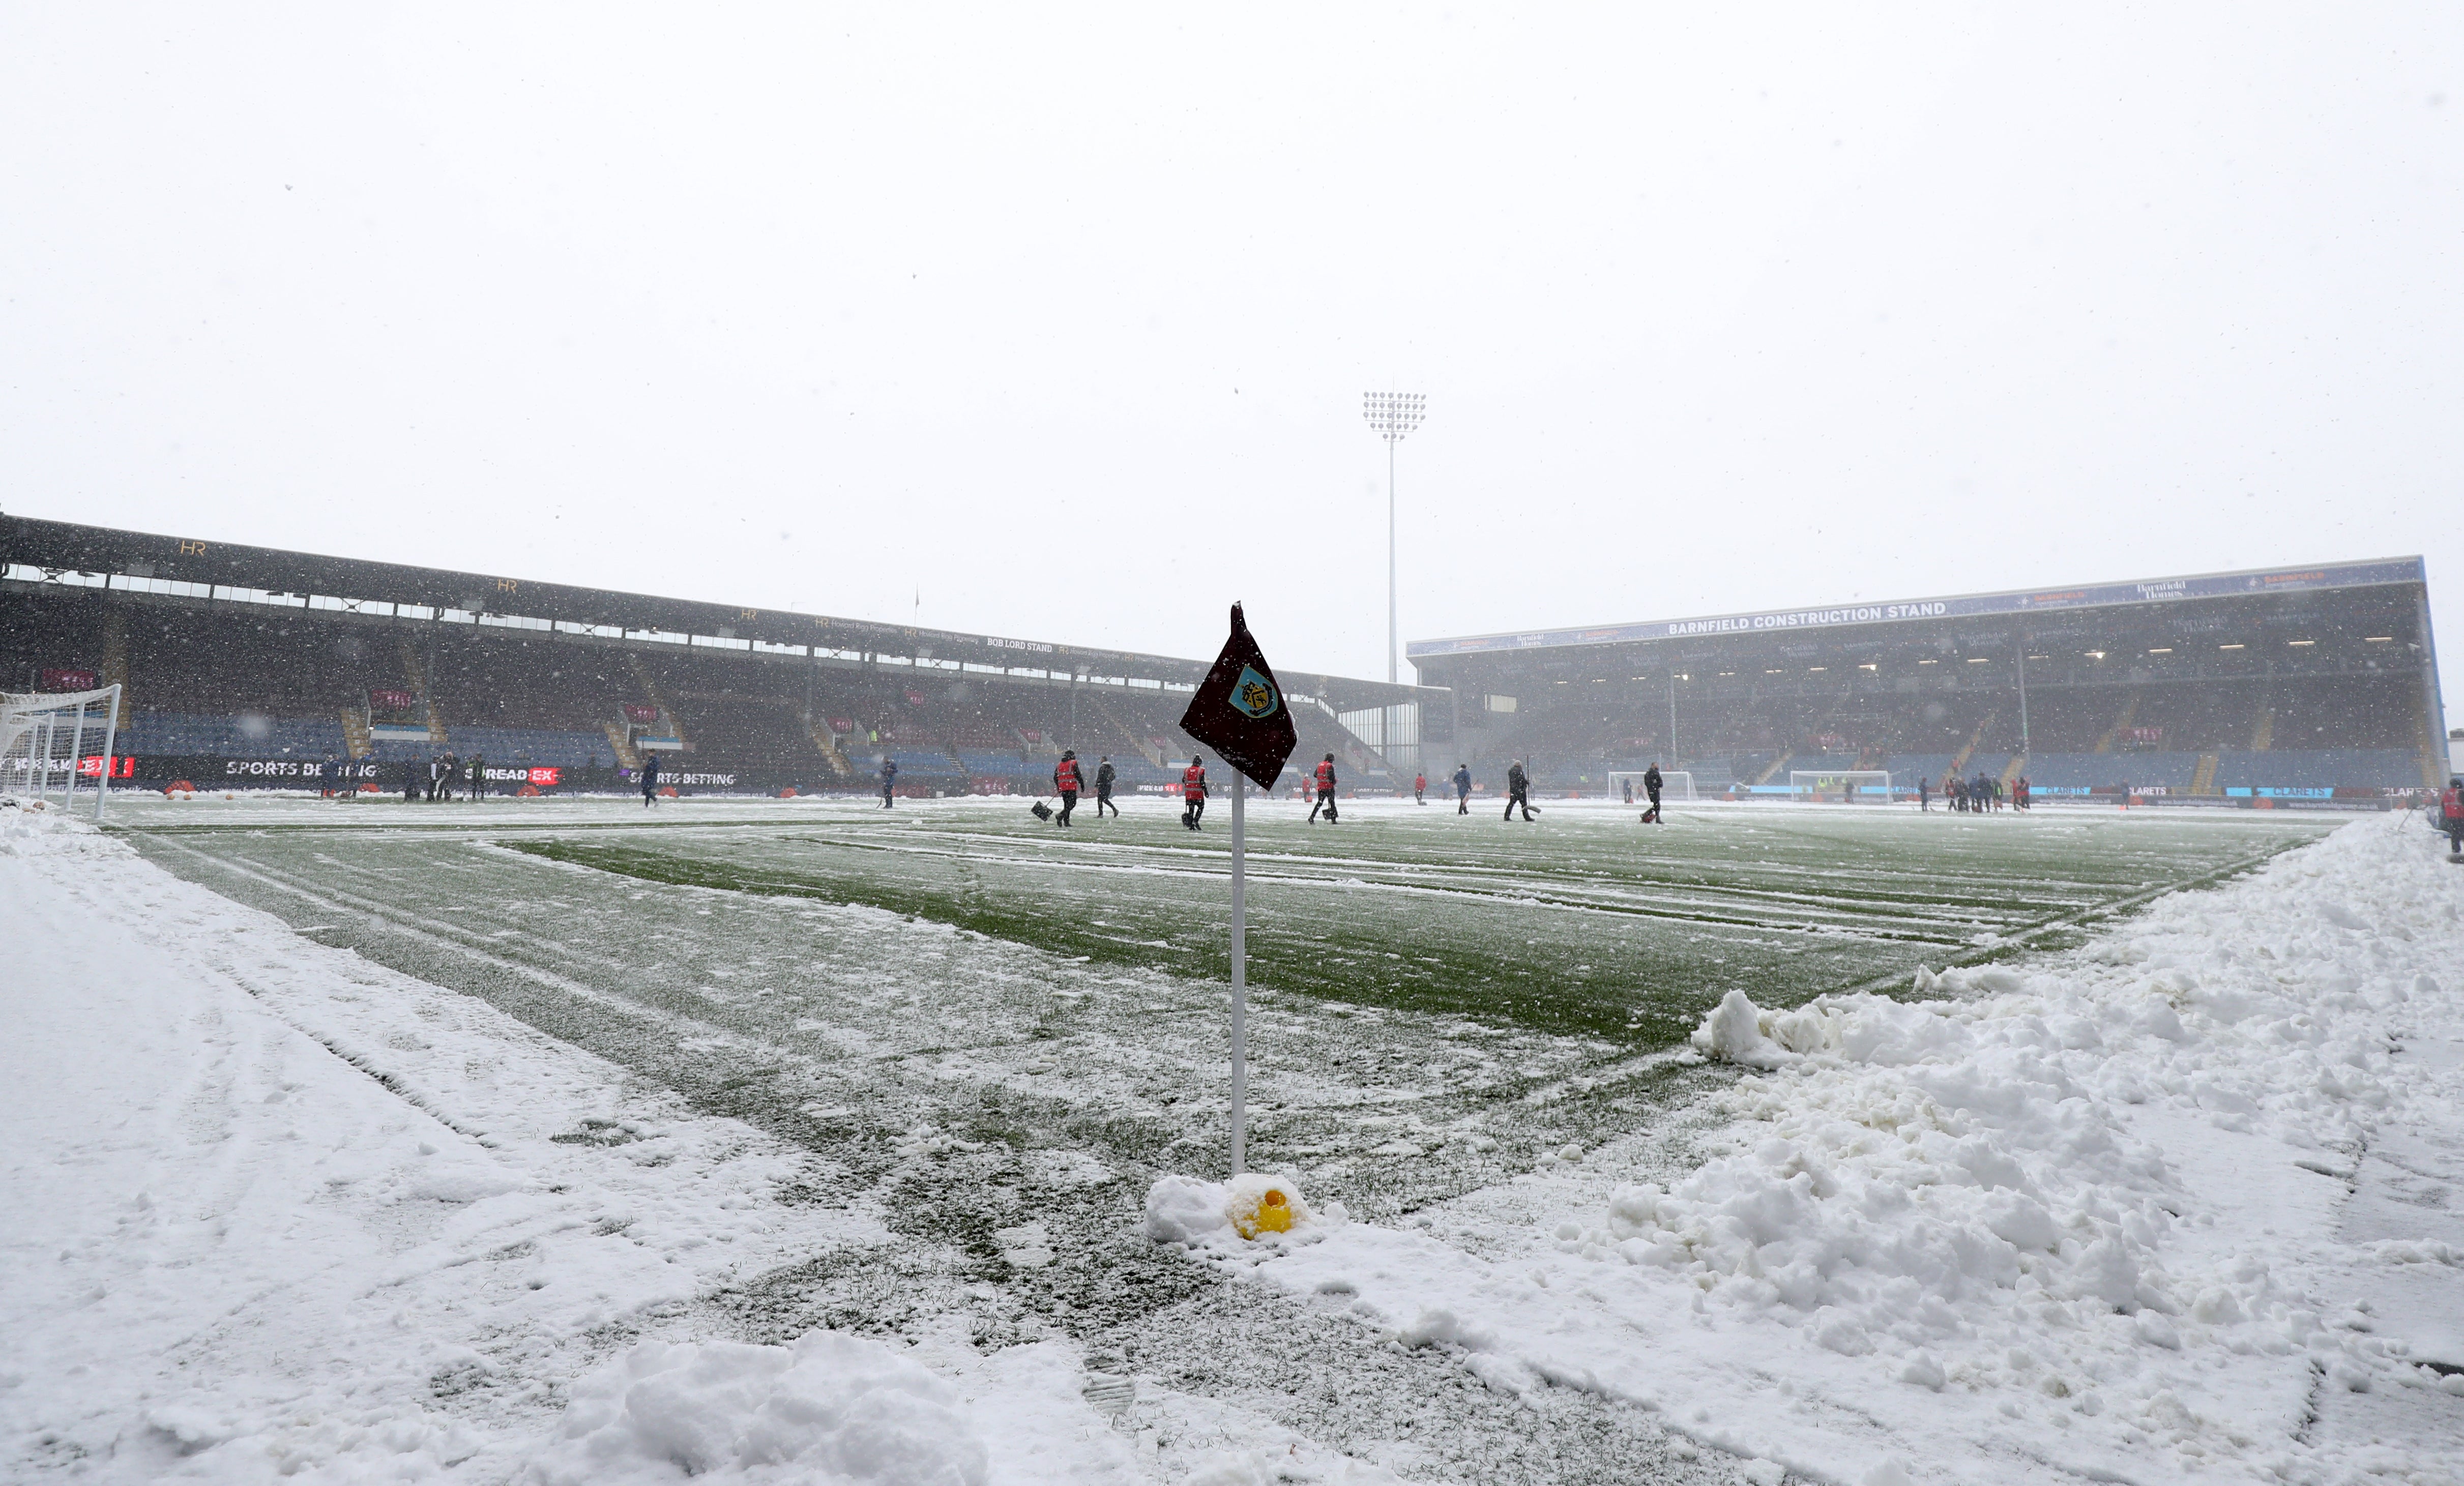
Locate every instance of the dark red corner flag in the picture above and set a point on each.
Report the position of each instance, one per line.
(1239, 710)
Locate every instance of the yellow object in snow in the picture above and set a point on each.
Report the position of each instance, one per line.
(1265, 1204)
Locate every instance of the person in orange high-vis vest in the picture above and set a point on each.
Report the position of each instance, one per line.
(1065, 782)
(1325, 789)
(2450, 816)
(1193, 793)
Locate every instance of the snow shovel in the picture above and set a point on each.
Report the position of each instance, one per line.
(1041, 810)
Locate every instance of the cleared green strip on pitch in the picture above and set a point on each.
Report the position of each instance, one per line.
(1584, 924)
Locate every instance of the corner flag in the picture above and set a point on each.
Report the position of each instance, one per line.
(1239, 710)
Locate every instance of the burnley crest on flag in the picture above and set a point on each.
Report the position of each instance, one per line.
(1239, 709)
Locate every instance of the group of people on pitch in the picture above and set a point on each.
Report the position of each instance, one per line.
(1069, 782)
(1979, 795)
(439, 772)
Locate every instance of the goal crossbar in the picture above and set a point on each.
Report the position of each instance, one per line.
(1840, 786)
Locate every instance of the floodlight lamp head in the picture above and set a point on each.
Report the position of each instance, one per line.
(1391, 415)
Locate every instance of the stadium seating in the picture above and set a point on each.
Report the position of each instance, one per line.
(2090, 771)
(244, 737)
(1906, 769)
(2360, 768)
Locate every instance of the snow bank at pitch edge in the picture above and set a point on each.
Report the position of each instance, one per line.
(2080, 1218)
(34, 827)
(1952, 1191)
(274, 1212)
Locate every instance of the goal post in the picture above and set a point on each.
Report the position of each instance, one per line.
(1675, 784)
(44, 738)
(1840, 786)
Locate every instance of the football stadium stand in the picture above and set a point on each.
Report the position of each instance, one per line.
(2317, 681)
(256, 667)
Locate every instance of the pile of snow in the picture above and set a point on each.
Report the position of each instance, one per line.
(2086, 1212)
(1229, 1216)
(832, 1407)
(40, 828)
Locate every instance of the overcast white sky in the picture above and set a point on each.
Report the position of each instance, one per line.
(1062, 315)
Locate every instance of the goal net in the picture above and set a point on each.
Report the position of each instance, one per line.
(1840, 786)
(52, 740)
(1675, 784)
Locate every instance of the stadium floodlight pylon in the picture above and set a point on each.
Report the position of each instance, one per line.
(1840, 786)
(1391, 415)
(43, 739)
(1675, 784)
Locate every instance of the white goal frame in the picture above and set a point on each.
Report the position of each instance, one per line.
(43, 739)
(1675, 784)
(1845, 786)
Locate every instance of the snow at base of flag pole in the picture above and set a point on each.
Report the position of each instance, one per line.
(2174, 1205)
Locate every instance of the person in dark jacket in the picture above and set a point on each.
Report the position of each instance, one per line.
(889, 778)
(1518, 790)
(414, 774)
(1925, 792)
(435, 776)
(1462, 788)
(650, 782)
(478, 777)
(1105, 775)
(1651, 782)
(1064, 783)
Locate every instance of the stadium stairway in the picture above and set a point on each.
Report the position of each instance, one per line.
(355, 732)
(115, 658)
(1781, 761)
(1127, 735)
(1959, 760)
(621, 741)
(418, 675)
(2203, 780)
(828, 743)
(2011, 772)
(2262, 732)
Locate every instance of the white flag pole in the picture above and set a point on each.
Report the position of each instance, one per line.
(1239, 973)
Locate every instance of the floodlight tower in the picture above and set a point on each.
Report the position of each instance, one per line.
(1391, 416)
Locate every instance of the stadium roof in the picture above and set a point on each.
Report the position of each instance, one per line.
(62, 547)
(2155, 590)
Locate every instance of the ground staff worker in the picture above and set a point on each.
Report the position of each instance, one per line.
(2450, 816)
(1325, 789)
(650, 782)
(889, 779)
(1651, 782)
(1105, 775)
(1193, 793)
(1065, 782)
(1462, 788)
(1518, 790)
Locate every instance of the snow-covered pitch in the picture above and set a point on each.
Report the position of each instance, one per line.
(791, 1140)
